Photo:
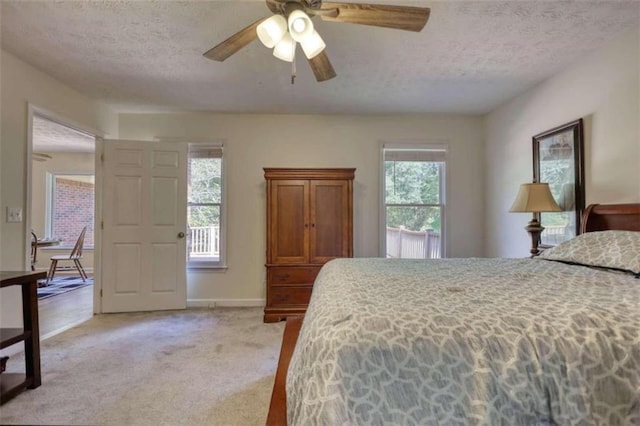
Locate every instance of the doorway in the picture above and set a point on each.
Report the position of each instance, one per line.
(62, 203)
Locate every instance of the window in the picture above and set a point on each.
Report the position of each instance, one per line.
(413, 201)
(205, 212)
(71, 207)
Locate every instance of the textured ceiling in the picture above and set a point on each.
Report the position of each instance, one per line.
(49, 136)
(147, 55)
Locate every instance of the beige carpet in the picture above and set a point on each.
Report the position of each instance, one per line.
(194, 367)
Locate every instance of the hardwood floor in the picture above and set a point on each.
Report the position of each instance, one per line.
(64, 311)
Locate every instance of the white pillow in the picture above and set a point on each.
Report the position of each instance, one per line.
(605, 249)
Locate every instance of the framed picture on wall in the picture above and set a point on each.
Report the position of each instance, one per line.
(558, 159)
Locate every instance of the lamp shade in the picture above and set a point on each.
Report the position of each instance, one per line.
(312, 45)
(300, 25)
(534, 198)
(271, 30)
(285, 49)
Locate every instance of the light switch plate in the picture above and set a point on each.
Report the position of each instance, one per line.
(14, 214)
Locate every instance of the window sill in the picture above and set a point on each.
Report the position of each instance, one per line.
(206, 267)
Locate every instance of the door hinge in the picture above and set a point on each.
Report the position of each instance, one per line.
(102, 224)
(102, 157)
(100, 292)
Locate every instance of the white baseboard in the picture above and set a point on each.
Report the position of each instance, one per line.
(12, 350)
(16, 349)
(225, 303)
(65, 328)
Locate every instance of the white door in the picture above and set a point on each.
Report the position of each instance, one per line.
(144, 213)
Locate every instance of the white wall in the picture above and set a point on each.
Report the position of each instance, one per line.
(21, 85)
(604, 89)
(256, 141)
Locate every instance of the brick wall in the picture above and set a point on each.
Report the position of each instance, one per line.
(73, 203)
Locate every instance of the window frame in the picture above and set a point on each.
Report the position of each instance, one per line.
(444, 178)
(221, 263)
(50, 204)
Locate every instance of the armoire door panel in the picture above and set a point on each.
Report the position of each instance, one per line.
(329, 236)
(290, 221)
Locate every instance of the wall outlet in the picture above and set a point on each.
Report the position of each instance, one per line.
(14, 214)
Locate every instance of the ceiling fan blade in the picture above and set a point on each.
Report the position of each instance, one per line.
(321, 67)
(275, 5)
(234, 43)
(407, 18)
(332, 13)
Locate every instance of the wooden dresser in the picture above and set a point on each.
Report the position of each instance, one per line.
(309, 222)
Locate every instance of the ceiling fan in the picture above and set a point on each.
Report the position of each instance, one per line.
(291, 24)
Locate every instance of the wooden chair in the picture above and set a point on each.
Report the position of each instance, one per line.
(34, 250)
(74, 256)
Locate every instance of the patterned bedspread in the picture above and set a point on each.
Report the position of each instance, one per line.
(467, 342)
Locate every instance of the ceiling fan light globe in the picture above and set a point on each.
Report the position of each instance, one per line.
(312, 45)
(285, 49)
(271, 30)
(300, 25)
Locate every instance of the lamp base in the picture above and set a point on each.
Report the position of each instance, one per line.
(534, 228)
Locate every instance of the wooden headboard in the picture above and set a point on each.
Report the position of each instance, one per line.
(602, 217)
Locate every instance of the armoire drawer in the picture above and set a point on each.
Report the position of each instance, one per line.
(289, 295)
(292, 275)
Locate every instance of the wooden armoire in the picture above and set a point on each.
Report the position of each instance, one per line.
(309, 222)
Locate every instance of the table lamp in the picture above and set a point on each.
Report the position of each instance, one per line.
(534, 198)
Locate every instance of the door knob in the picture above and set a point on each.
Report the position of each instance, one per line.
(180, 234)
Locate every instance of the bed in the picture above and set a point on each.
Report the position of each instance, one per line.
(542, 341)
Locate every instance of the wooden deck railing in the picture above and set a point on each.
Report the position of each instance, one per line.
(555, 234)
(402, 243)
(204, 241)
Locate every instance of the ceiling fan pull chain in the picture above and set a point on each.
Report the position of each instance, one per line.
(293, 64)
